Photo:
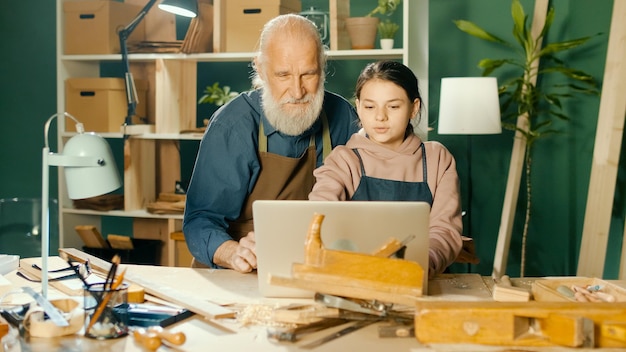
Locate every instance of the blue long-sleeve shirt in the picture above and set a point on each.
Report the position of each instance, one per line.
(227, 165)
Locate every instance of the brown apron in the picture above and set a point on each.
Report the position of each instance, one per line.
(281, 178)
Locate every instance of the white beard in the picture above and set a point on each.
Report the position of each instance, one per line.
(295, 120)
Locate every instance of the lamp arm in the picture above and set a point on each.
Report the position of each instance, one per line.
(79, 126)
(124, 33)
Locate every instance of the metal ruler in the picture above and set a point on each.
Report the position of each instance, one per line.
(48, 308)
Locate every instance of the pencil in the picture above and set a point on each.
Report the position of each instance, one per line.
(118, 281)
(112, 271)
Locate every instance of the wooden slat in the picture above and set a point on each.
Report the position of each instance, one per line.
(338, 12)
(168, 165)
(139, 168)
(175, 95)
(517, 161)
(219, 22)
(606, 153)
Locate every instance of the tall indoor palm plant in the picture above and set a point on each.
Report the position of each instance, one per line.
(537, 103)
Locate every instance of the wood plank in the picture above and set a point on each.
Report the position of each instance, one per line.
(91, 236)
(219, 23)
(168, 166)
(339, 10)
(516, 166)
(139, 169)
(175, 95)
(606, 153)
(158, 289)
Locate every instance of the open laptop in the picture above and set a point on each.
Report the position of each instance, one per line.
(281, 227)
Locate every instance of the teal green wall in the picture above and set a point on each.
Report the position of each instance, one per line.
(561, 164)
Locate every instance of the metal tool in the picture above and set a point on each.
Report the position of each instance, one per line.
(48, 308)
(354, 327)
(295, 334)
(354, 305)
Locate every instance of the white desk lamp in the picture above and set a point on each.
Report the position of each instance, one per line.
(89, 169)
(469, 106)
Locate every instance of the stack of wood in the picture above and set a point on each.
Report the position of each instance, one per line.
(199, 37)
(168, 203)
(104, 202)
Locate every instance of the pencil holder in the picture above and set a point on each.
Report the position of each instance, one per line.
(106, 311)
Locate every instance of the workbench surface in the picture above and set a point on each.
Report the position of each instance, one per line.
(239, 292)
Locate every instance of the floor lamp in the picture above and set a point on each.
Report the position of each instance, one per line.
(469, 106)
(89, 169)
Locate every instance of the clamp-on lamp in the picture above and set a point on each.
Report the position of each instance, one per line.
(89, 169)
(187, 8)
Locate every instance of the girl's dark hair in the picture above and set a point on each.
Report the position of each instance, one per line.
(391, 71)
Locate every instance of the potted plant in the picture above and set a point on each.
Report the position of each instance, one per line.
(214, 94)
(362, 30)
(217, 95)
(387, 31)
(521, 98)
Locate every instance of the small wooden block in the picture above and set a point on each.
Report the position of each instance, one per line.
(91, 236)
(120, 242)
(172, 197)
(503, 293)
(136, 294)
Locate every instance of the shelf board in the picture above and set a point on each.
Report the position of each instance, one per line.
(155, 136)
(121, 213)
(373, 54)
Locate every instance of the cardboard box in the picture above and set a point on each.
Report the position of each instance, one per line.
(547, 290)
(91, 27)
(244, 20)
(100, 103)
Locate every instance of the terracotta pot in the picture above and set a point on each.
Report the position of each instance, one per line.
(362, 31)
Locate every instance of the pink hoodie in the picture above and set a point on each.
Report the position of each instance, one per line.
(340, 176)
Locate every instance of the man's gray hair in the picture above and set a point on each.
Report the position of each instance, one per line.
(288, 23)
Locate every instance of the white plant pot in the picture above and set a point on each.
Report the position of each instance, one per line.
(386, 44)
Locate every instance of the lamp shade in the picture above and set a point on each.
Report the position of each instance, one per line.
(187, 8)
(469, 105)
(99, 177)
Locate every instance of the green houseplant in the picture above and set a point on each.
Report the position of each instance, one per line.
(214, 94)
(362, 30)
(387, 31)
(521, 98)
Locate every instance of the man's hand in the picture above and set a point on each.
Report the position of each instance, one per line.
(239, 256)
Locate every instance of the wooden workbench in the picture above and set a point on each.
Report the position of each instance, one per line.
(232, 289)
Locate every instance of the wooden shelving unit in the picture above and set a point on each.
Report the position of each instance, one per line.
(150, 167)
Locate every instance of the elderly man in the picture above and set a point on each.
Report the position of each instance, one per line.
(264, 144)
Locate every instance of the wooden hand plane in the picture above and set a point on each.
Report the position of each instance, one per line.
(351, 274)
